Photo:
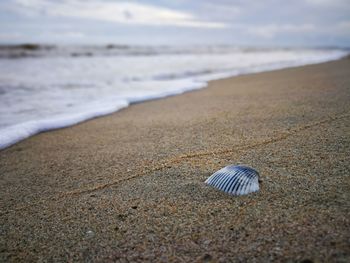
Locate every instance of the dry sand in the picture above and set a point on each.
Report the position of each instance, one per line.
(129, 187)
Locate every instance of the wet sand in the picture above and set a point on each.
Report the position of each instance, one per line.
(129, 187)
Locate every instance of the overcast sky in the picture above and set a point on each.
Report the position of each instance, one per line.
(239, 22)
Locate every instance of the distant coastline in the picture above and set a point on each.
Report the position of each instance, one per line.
(38, 50)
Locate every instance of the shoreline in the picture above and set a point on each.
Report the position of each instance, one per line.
(16, 133)
(130, 186)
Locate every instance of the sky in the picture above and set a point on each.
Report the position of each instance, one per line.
(177, 22)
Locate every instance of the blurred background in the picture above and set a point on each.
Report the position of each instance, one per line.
(66, 61)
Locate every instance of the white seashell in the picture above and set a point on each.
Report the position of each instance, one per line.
(235, 180)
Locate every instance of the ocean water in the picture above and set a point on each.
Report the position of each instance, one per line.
(50, 87)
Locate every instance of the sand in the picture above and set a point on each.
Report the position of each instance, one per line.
(129, 187)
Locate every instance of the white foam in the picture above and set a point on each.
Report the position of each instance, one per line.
(15, 133)
(46, 93)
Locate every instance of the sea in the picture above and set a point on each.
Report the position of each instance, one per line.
(46, 87)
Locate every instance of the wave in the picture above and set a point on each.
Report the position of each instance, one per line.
(15, 133)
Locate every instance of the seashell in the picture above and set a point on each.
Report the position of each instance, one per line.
(235, 180)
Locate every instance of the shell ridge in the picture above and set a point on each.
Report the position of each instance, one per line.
(219, 180)
(238, 183)
(224, 180)
(221, 173)
(212, 178)
(229, 183)
(253, 175)
(234, 181)
(215, 177)
(242, 181)
(247, 186)
(243, 184)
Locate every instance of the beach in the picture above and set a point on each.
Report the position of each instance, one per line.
(129, 187)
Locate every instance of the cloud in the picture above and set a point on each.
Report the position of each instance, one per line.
(310, 22)
(270, 31)
(329, 3)
(10, 36)
(342, 28)
(120, 12)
